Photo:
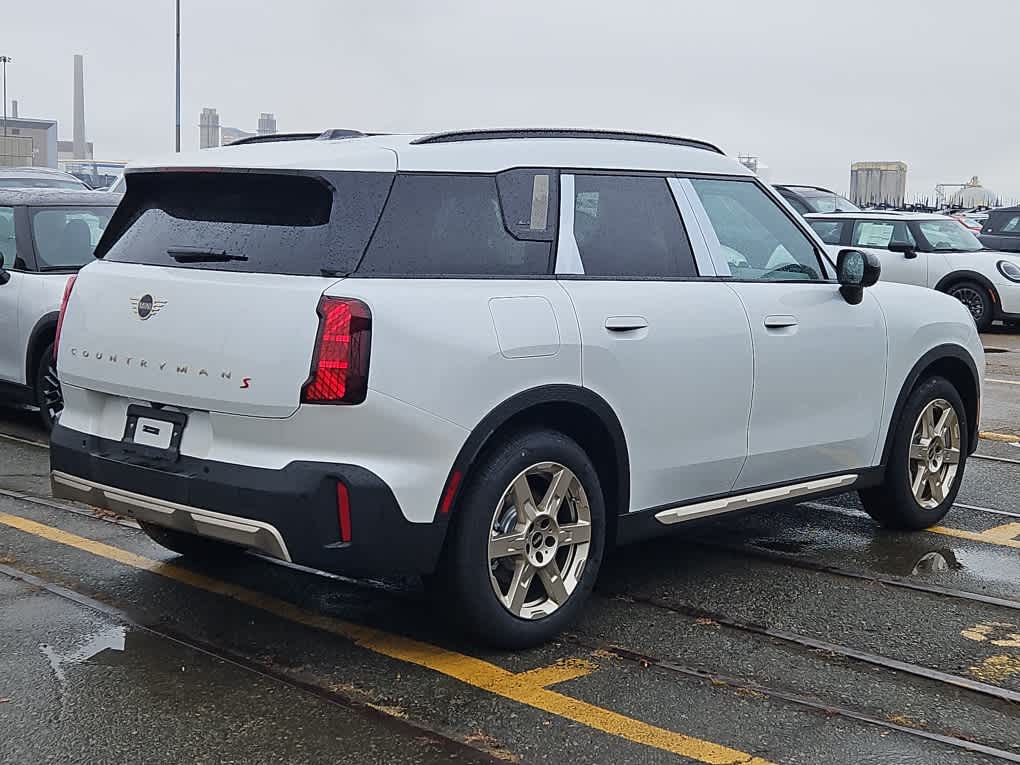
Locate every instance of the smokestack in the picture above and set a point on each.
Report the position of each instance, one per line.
(14, 108)
(79, 107)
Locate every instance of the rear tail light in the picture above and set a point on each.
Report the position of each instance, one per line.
(60, 319)
(340, 361)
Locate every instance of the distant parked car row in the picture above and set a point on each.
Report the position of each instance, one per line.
(934, 251)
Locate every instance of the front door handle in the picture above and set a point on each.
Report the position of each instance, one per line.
(626, 323)
(780, 322)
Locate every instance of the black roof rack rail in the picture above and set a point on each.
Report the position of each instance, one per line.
(614, 135)
(272, 137)
(334, 133)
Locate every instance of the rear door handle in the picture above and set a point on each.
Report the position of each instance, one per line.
(626, 323)
(780, 321)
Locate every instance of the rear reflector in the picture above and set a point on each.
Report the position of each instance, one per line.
(343, 511)
(340, 361)
(451, 491)
(63, 309)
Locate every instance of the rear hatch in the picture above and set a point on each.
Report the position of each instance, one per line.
(206, 290)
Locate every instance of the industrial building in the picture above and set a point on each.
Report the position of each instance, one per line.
(878, 183)
(28, 141)
(212, 134)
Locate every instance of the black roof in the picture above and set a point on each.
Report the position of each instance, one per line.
(1014, 208)
(57, 197)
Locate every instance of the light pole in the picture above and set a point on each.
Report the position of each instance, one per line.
(177, 131)
(5, 60)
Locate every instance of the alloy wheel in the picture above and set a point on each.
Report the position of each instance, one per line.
(539, 540)
(971, 298)
(934, 454)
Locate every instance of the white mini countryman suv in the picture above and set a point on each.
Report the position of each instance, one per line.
(486, 357)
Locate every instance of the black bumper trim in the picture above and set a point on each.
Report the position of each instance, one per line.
(299, 500)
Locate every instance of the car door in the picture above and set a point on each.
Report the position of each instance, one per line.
(819, 363)
(11, 354)
(875, 235)
(663, 342)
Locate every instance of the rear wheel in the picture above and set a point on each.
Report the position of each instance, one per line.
(190, 545)
(926, 462)
(527, 543)
(977, 300)
(48, 395)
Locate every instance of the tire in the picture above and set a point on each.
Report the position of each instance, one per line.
(550, 551)
(190, 545)
(895, 504)
(978, 302)
(46, 389)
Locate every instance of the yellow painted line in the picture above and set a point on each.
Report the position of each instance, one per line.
(1006, 438)
(996, 669)
(525, 688)
(1005, 535)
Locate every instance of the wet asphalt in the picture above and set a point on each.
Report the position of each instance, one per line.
(787, 636)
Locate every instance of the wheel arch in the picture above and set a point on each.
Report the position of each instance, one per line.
(954, 363)
(43, 333)
(955, 277)
(577, 412)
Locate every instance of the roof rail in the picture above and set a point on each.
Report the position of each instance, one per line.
(334, 133)
(273, 137)
(614, 135)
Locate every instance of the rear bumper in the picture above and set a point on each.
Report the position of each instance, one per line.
(289, 513)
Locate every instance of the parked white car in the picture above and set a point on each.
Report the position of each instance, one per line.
(46, 235)
(486, 356)
(933, 251)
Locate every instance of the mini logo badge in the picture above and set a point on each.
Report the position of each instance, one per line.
(146, 306)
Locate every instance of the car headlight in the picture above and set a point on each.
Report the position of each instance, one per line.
(1010, 270)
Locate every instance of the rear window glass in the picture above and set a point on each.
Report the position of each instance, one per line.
(65, 237)
(258, 222)
(454, 225)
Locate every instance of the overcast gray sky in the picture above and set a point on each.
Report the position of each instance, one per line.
(809, 86)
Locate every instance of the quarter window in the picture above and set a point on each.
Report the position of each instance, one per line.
(628, 226)
(830, 231)
(759, 241)
(440, 225)
(66, 237)
(881, 233)
(7, 248)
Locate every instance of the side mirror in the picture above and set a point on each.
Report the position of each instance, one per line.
(855, 271)
(5, 275)
(908, 250)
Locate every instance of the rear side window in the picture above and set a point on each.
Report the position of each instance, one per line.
(629, 226)
(881, 233)
(255, 222)
(455, 225)
(830, 231)
(1003, 224)
(65, 237)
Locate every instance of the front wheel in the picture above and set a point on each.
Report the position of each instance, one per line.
(926, 462)
(978, 302)
(48, 395)
(528, 541)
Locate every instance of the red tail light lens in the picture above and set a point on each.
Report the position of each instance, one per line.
(63, 309)
(340, 362)
(343, 511)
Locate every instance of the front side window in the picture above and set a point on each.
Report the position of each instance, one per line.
(948, 236)
(454, 225)
(629, 226)
(65, 237)
(881, 233)
(829, 231)
(758, 240)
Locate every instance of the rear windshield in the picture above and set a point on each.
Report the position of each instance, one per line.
(257, 222)
(66, 236)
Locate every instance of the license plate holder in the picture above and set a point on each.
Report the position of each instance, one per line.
(154, 432)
